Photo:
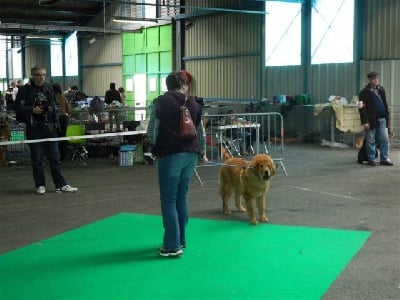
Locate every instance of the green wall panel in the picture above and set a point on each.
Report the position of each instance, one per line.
(166, 36)
(151, 93)
(153, 65)
(149, 52)
(128, 43)
(140, 63)
(140, 41)
(166, 61)
(153, 38)
(128, 64)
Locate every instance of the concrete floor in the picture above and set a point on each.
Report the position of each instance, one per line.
(325, 187)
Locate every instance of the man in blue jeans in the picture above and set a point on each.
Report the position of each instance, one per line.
(374, 115)
(176, 159)
(36, 106)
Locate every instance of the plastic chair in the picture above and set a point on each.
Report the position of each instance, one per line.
(77, 146)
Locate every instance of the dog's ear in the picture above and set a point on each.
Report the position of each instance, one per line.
(274, 167)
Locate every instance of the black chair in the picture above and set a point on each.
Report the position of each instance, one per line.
(131, 126)
(101, 144)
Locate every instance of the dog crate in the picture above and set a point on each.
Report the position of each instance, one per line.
(17, 153)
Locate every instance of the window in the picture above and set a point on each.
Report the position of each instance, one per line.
(332, 31)
(3, 54)
(16, 62)
(149, 11)
(282, 33)
(71, 55)
(56, 57)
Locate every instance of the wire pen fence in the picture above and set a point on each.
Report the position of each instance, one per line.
(244, 135)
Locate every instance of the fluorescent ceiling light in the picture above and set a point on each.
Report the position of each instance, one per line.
(43, 37)
(136, 21)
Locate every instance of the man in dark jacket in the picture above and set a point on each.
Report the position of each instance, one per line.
(374, 115)
(113, 99)
(37, 107)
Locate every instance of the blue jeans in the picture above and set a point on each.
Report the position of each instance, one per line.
(174, 174)
(38, 150)
(378, 137)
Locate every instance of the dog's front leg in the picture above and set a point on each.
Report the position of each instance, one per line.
(250, 209)
(238, 203)
(261, 208)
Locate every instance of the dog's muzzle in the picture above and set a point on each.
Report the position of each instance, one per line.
(266, 175)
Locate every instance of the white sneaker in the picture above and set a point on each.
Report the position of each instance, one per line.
(66, 189)
(41, 190)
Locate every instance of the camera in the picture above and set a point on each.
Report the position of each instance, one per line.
(41, 100)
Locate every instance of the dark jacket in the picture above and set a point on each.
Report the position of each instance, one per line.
(111, 95)
(167, 112)
(368, 110)
(27, 98)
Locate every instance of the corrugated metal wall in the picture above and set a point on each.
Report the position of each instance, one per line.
(389, 71)
(332, 79)
(216, 45)
(382, 29)
(283, 81)
(37, 55)
(101, 63)
(230, 77)
(223, 53)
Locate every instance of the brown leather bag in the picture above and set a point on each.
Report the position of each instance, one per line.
(187, 128)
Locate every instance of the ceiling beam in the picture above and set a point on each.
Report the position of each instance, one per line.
(58, 28)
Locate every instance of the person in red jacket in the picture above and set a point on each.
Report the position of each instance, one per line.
(374, 115)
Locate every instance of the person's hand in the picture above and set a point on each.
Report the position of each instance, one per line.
(366, 126)
(37, 110)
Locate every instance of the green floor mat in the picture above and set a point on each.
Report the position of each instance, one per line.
(117, 258)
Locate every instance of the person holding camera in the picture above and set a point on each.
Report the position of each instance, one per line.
(36, 106)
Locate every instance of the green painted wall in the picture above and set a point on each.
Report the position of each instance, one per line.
(148, 52)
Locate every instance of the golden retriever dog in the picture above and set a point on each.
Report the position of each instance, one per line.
(247, 179)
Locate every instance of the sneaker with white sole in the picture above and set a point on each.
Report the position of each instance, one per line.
(40, 190)
(170, 253)
(66, 189)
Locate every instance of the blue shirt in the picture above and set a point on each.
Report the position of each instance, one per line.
(380, 107)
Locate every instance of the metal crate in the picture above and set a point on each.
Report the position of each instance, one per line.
(18, 153)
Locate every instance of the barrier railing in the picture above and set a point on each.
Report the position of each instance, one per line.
(244, 134)
(226, 135)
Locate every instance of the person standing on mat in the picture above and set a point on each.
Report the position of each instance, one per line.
(374, 115)
(37, 107)
(176, 159)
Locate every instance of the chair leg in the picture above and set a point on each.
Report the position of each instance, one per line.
(80, 154)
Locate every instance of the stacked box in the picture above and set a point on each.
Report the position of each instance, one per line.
(126, 155)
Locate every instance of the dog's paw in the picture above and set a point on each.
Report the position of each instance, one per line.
(253, 222)
(227, 212)
(241, 209)
(264, 219)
